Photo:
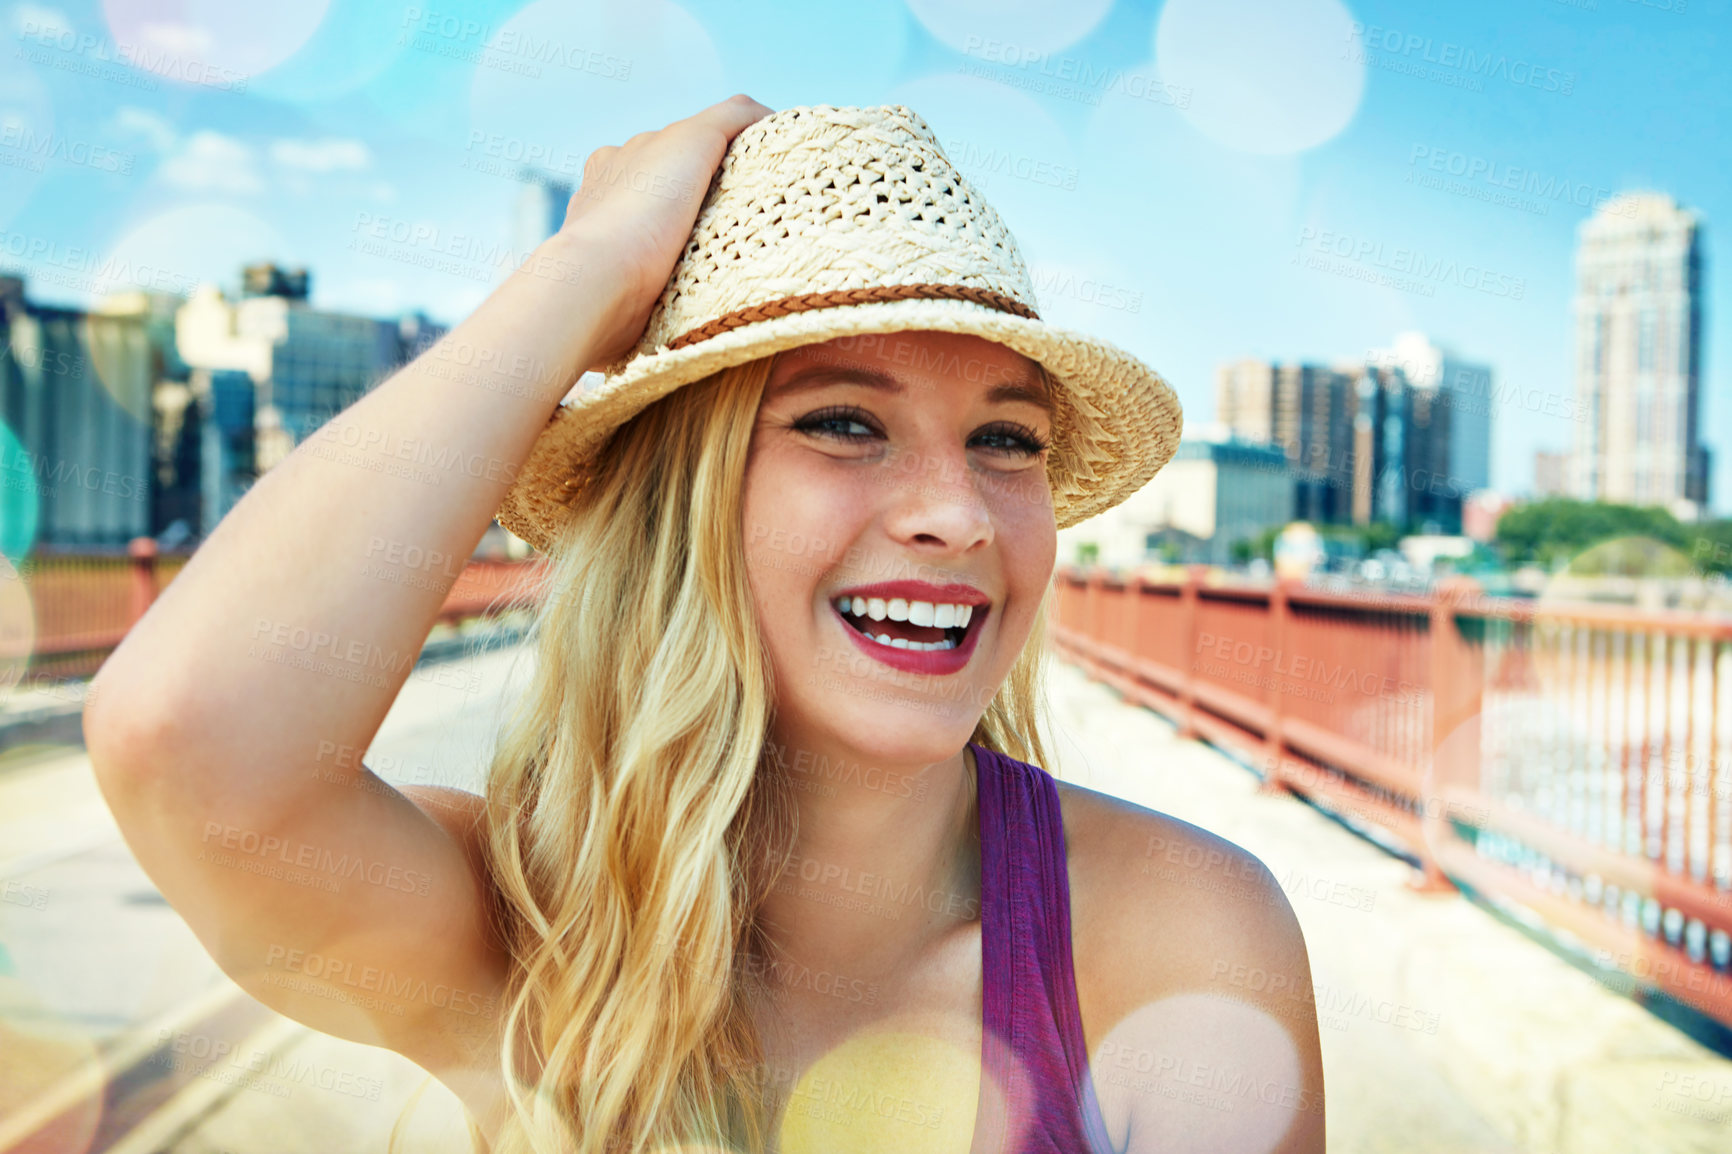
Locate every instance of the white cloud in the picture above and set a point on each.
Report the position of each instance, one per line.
(157, 131)
(34, 19)
(212, 162)
(328, 155)
(209, 161)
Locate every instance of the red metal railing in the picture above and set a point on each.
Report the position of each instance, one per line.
(63, 615)
(1569, 758)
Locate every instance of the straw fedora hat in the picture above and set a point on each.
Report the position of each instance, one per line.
(826, 222)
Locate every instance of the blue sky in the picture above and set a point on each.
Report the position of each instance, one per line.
(1197, 180)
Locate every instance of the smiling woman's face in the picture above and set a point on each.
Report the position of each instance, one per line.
(891, 472)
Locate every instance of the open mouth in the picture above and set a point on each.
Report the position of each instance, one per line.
(923, 626)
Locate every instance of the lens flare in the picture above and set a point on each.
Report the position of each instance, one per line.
(895, 1092)
(210, 43)
(1264, 76)
(1031, 26)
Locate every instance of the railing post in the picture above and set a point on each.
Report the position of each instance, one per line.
(1452, 705)
(1188, 670)
(1275, 780)
(1133, 626)
(1092, 615)
(142, 552)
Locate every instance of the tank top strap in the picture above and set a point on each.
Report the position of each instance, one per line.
(1033, 1048)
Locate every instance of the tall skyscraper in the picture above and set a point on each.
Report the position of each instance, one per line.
(540, 210)
(1452, 411)
(75, 419)
(268, 369)
(1306, 410)
(1639, 356)
(1402, 437)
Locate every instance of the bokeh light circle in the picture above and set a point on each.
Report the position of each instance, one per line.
(20, 511)
(834, 1105)
(1030, 25)
(211, 43)
(1264, 76)
(602, 73)
(17, 609)
(175, 251)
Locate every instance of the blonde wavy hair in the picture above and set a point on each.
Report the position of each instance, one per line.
(631, 809)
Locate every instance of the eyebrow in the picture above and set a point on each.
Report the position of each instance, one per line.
(820, 375)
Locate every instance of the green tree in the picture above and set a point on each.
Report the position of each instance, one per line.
(1710, 549)
(1557, 529)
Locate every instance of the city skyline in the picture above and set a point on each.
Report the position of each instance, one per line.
(1397, 438)
(1158, 199)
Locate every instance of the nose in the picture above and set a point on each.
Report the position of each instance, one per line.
(936, 504)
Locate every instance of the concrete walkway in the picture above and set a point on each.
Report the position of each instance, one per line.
(1445, 1030)
(1515, 1048)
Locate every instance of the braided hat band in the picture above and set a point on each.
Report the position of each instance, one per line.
(858, 296)
(826, 222)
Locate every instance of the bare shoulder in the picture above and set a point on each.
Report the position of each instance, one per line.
(1191, 968)
(1137, 874)
(458, 812)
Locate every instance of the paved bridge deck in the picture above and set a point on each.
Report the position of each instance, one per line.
(1446, 1030)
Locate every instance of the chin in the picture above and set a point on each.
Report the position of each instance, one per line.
(918, 732)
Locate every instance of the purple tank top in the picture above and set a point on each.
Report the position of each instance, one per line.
(1033, 1049)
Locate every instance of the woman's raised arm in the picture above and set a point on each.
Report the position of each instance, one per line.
(226, 730)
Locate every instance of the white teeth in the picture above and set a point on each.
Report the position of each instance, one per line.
(904, 643)
(936, 615)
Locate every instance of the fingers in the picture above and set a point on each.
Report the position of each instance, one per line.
(683, 142)
(733, 114)
(728, 116)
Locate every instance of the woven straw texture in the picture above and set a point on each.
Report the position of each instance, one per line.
(856, 204)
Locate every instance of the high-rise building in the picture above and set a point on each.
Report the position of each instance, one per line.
(1448, 425)
(1381, 404)
(1638, 314)
(268, 369)
(269, 280)
(540, 210)
(1401, 437)
(1305, 410)
(75, 421)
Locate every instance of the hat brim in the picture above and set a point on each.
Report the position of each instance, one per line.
(1116, 421)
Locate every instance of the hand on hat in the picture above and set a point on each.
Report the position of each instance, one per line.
(636, 207)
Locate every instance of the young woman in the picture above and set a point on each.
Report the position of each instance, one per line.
(766, 860)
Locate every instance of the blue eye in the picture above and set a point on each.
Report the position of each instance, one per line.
(814, 422)
(1021, 439)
